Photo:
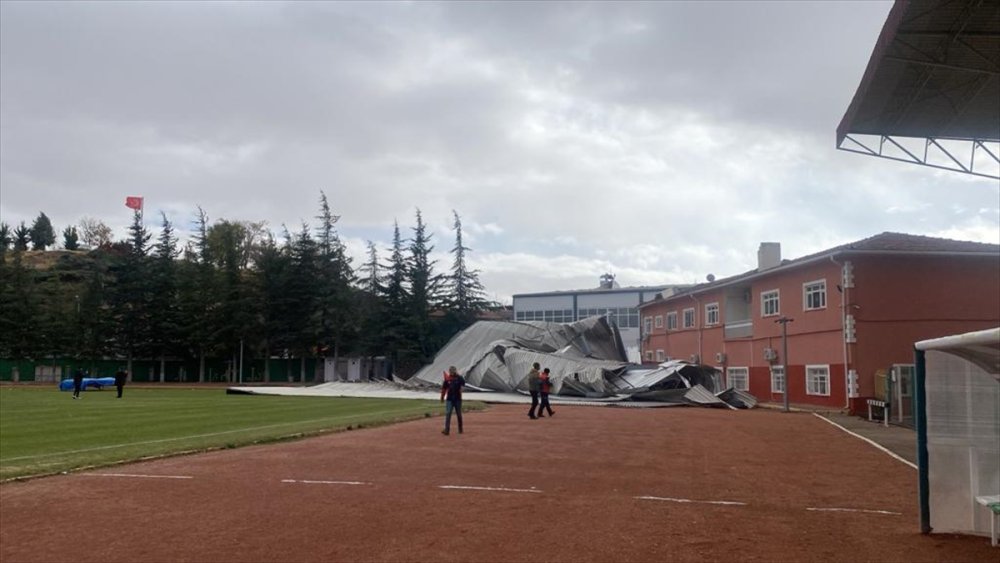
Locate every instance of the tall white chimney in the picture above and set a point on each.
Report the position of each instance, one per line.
(768, 255)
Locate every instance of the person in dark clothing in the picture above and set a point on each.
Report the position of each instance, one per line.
(77, 383)
(533, 389)
(544, 386)
(120, 377)
(451, 389)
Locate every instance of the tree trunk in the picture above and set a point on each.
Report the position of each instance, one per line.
(129, 366)
(163, 368)
(267, 363)
(302, 368)
(201, 364)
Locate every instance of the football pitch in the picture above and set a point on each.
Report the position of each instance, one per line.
(44, 431)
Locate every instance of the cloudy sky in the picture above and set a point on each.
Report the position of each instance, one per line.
(658, 141)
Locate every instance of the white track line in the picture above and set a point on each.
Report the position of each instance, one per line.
(315, 482)
(855, 510)
(137, 475)
(877, 445)
(502, 489)
(669, 499)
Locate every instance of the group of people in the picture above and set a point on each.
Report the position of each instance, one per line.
(78, 375)
(539, 386)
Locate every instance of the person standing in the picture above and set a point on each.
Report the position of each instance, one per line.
(451, 389)
(533, 381)
(77, 382)
(544, 386)
(120, 376)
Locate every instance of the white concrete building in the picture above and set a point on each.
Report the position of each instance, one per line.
(619, 304)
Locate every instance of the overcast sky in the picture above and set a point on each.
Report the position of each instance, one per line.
(658, 141)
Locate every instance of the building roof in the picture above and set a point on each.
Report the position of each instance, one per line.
(601, 290)
(934, 74)
(883, 243)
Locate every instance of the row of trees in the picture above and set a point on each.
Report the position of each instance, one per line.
(299, 295)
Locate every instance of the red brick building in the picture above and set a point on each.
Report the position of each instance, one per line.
(855, 309)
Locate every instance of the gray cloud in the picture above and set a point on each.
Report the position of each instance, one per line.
(661, 141)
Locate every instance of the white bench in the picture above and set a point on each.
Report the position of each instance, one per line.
(881, 404)
(992, 502)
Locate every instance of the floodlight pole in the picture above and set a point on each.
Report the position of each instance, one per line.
(784, 353)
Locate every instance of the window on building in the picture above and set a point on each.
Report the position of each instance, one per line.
(814, 295)
(818, 380)
(777, 379)
(769, 305)
(660, 356)
(712, 314)
(659, 321)
(904, 376)
(688, 318)
(672, 320)
(739, 378)
(649, 355)
(647, 325)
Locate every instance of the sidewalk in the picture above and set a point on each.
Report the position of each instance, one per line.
(897, 439)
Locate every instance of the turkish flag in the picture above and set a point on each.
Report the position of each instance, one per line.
(133, 202)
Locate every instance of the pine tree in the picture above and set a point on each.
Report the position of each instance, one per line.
(424, 286)
(395, 301)
(6, 238)
(131, 295)
(22, 235)
(71, 239)
(42, 235)
(466, 293)
(197, 290)
(303, 296)
(337, 319)
(164, 320)
(371, 306)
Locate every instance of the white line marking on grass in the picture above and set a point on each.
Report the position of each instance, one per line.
(138, 475)
(855, 510)
(501, 489)
(209, 435)
(669, 499)
(877, 445)
(314, 482)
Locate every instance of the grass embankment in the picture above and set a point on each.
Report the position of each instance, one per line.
(45, 431)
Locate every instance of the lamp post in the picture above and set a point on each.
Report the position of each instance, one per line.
(784, 353)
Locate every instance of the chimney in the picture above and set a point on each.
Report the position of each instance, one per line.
(768, 255)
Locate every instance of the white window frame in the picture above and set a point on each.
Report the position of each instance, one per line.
(658, 321)
(672, 320)
(813, 376)
(778, 379)
(647, 325)
(649, 355)
(765, 300)
(661, 356)
(694, 319)
(913, 374)
(744, 373)
(711, 314)
(810, 288)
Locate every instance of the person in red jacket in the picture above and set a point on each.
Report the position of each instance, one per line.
(451, 389)
(544, 387)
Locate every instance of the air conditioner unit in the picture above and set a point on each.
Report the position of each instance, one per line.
(770, 354)
(695, 359)
(720, 357)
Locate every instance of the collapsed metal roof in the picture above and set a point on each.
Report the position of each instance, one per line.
(931, 92)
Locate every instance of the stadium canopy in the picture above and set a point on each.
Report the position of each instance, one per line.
(931, 92)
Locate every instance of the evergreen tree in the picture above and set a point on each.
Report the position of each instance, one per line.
(132, 293)
(337, 320)
(424, 286)
(197, 289)
(396, 297)
(303, 296)
(370, 306)
(6, 237)
(18, 332)
(164, 313)
(42, 235)
(71, 239)
(21, 237)
(466, 293)
(272, 278)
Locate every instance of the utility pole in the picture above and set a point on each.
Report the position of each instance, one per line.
(784, 353)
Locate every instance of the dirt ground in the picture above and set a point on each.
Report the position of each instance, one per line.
(566, 488)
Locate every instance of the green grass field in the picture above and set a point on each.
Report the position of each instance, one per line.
(44, 431)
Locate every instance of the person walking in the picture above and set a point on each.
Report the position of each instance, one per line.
(533, 381)
(120, 376)
(77, 382)
(451, 389)
(544, 386)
